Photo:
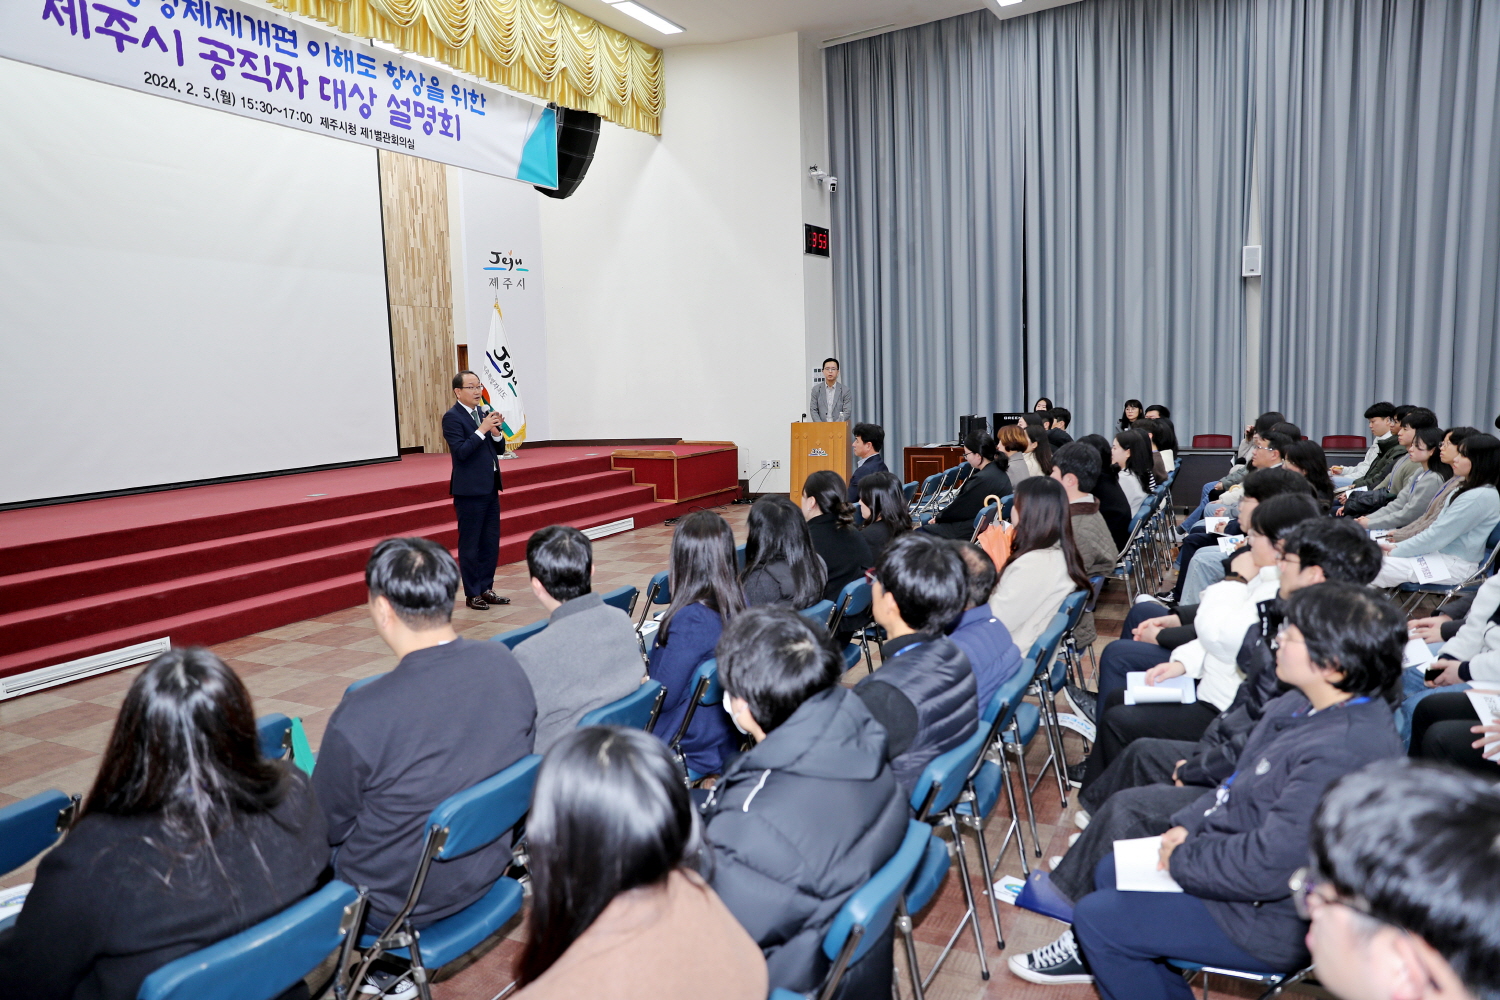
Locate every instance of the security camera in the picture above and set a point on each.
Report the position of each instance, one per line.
(833, 184)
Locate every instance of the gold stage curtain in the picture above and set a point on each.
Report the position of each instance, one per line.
(537, 47)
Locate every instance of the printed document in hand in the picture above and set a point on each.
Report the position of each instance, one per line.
(1135, 867)
(1228, 543)
(1417, 654)
(1431, 568)
(1486, 705)
(1216, 525)
(1174, 690)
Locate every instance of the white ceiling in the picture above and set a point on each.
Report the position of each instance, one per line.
(708, 21)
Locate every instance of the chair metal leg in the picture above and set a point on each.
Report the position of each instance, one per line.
(989, 878)
(904, 925)
(1015, 822)
(963, 874)
(1026, 792)
(418, 970)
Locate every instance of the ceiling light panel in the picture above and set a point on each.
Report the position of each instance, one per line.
(648, 17)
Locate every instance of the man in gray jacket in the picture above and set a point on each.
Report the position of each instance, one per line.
(587, 656)
(830, 399)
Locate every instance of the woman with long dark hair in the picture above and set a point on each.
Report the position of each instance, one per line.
(1131, 454)
(988, 478)
(1039, 455)
(188, 837)
(1044, 566)
(1156, 432)
(705, 596)
(781, 565)
(1130, 414)
(1113, 505)
(830, 521)
(1307, 458)
(1455, 541)
(613, 840)
(1041, 405)
(882, 503)
(1425, 450)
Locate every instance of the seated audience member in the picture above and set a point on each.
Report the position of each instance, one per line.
(1425, 453)
(1153, 778)
(188, 836)
(705, 598)
(1230, 608)
(1165, 438)
(1451, 547)
(1391, 452)
(1378, 419)
(1204, 564)
(587, 656)
(869, 439)
(810, 812)
(1077, 466)
(1242, 467)
(882, 504)
(1039, 454)
(1307, 459)
(1113, 506)
(830, 523)
(988, 479)
(618, 908)
(781, 565)
(1402, 886)
(1131, 412)
(453, 712)
(1445, 728)
(924, 692)
(1058, 419)
(1269, 453)
(1444, 725)
(984, 638)
(1158, 411)
(1015, 444)
(1388, 488)
(1448, 453)
(1235, 848)
(1044, 566)
(1131, 454)
(1042, 405)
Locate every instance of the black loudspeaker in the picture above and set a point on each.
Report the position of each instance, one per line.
(577, 135)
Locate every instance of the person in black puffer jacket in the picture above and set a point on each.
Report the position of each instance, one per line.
(805, 817)
(924, 693)
(1234, 850)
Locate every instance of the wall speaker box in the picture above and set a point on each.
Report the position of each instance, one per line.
(577, 135)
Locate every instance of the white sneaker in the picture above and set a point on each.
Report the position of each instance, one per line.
(1081, 819)
(1058, 962)
(389, 986)
(1073, 838)
(1054, 861)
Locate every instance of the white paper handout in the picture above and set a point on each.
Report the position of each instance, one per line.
(1417, 654)
(1431, 568)
(1178, 690)
(1215, 525)
(1486, 705)
(1135, 867)
(1228, 543)
(11, 900)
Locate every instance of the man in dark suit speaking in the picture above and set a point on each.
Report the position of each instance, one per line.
(472, 431)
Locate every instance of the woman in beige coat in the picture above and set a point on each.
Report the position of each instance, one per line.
(1044, 566)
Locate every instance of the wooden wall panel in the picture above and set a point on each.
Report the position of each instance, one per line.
(414, 200)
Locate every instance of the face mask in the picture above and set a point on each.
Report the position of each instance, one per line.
(729, 711)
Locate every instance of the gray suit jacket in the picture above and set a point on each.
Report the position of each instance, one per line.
(843, 402)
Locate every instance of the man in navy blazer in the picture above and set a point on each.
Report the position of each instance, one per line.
(868, 440)
(476, 443)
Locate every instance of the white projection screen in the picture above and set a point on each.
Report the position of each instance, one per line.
(184, 294)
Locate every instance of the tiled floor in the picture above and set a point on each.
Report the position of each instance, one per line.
(54, 739)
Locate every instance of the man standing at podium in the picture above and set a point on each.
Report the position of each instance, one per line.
(831, 399)
(475, 441)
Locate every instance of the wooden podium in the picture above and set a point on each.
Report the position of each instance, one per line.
(823, 445)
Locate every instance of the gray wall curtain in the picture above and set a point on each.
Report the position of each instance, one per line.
(1125, 129)
(1380, 173)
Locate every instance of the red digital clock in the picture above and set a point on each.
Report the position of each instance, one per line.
(815, 240)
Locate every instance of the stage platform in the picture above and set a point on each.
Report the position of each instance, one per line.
(211, 563)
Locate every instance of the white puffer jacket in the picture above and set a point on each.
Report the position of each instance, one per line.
(1478, 641)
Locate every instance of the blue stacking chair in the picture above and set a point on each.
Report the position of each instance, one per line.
(1007, 504)
(29, 827)
(910, 489)
(1446, 592)
(864, 916)
(707, 692)
(854, 600)
(638, 710)
(1051, 675)
(658, 591)
(819, 613)
(1074, 605)
(935, 800)
(739, 556)
(272, 730)
(623, 598)
(1000, 715)
(516, 636)
(463, 823)
(931, 871)
(263, 961)
(984, 519)
(362, 682)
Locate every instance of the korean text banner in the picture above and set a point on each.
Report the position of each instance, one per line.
(259, 64)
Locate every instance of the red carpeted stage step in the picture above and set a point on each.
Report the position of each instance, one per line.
(212, 563)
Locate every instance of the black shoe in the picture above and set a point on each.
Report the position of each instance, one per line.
(1055, 964)
(490, 597)
(477, 603)
(1084, 703)
(1166, 598)
(1075, 773)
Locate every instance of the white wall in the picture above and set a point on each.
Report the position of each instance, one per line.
(817, 272)
(675, 274)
